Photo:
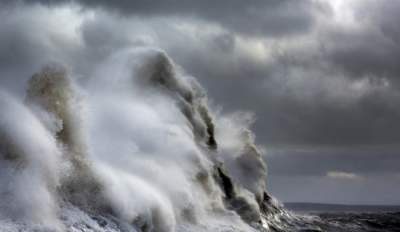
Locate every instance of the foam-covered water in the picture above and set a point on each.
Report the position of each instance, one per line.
(134, 148)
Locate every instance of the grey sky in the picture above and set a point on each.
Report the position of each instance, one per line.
(321, 76)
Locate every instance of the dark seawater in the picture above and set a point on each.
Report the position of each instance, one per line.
(337, 218)
(355, 222)
(375, 221)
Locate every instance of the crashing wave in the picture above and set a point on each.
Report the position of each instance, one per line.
(137, 148)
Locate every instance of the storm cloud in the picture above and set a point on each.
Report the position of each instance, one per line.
(255, 17)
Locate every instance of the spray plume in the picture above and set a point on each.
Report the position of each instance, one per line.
(137, 148)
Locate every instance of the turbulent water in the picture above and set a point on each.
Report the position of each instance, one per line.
(134, 147)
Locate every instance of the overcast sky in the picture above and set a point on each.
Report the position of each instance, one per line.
(321, 76)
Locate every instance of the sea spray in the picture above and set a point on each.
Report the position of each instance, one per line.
(135, 148)
(51, 90)
(30, 165)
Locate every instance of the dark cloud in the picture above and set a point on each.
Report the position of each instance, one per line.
(339, 91)
(255, 17)
(342, 90)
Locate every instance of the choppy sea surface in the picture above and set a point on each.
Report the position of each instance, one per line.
(337, 218)
(377, 221)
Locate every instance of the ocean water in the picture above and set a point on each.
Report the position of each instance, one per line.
(368, 222)
(331, 217)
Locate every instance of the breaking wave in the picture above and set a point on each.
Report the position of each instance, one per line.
(136, 148)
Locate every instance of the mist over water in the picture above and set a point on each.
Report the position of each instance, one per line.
(133, 148)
